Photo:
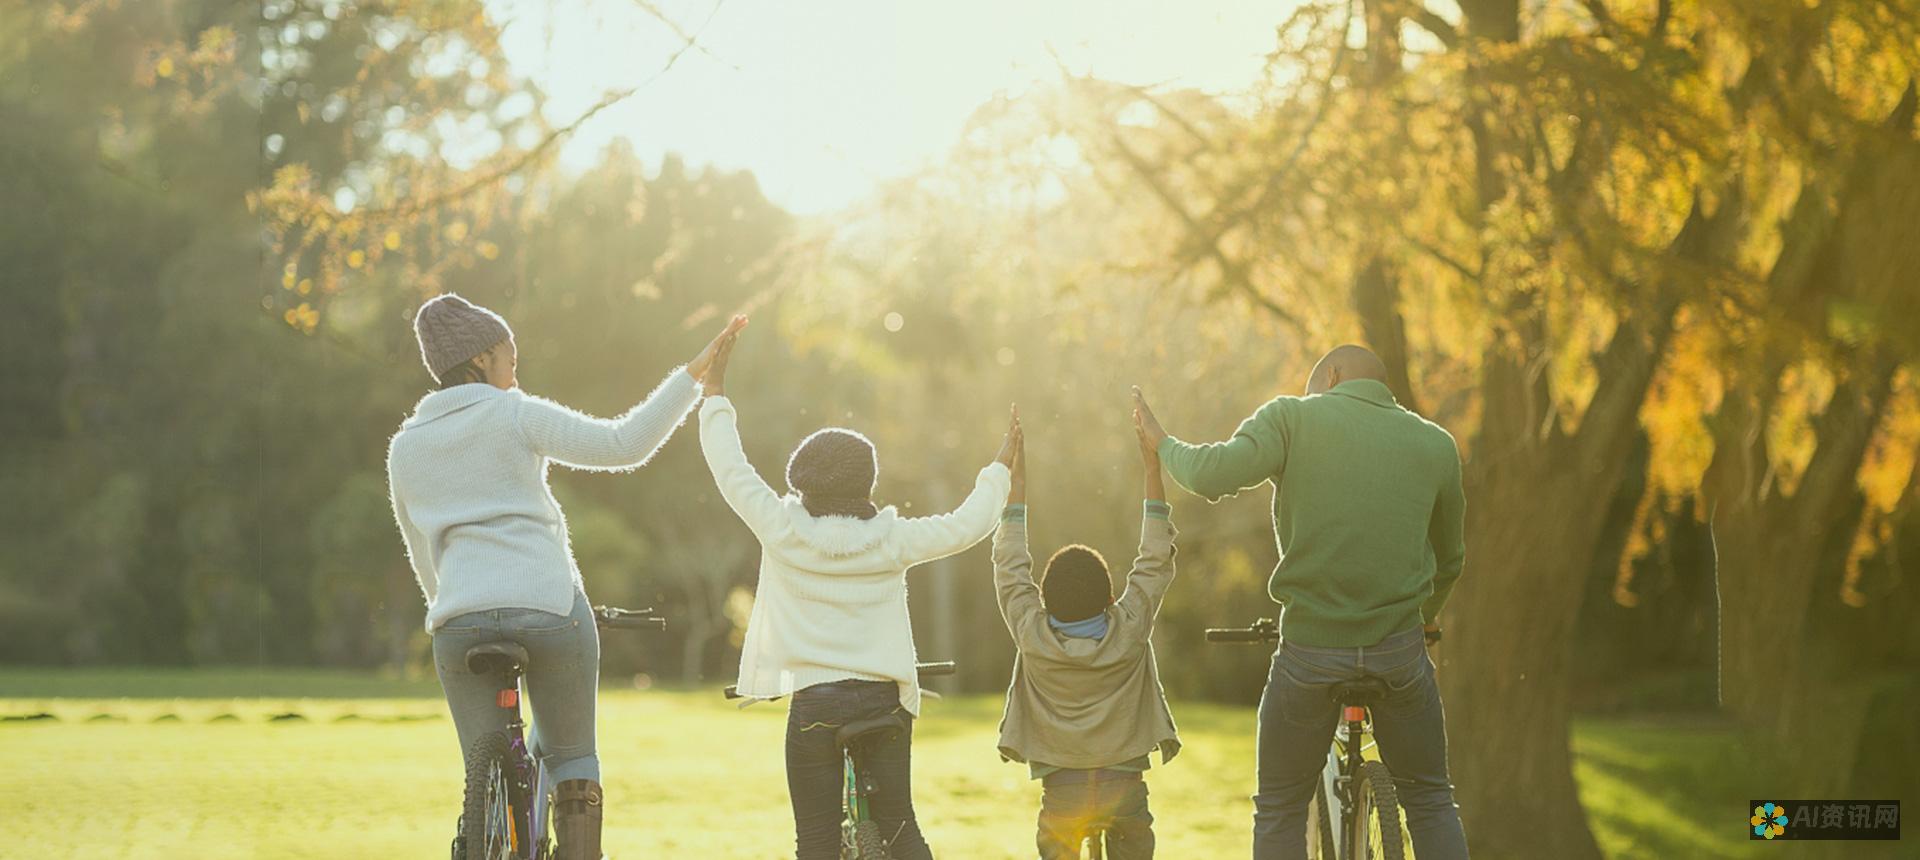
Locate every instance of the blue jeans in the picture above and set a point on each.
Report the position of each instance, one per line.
(1297, 720)
(814, 769)
(562, 679)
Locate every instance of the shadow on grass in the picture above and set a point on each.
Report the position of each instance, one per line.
(1660, 788)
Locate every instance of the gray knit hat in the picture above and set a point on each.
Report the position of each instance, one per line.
(452, 330)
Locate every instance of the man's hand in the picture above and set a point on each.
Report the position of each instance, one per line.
(1145, 424)
(702, 365)
(1019, 494)
(1010, 445)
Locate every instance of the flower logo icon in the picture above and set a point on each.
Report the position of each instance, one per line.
(1769, 820)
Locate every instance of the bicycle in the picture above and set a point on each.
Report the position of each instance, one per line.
(860, 837)
(504, 812)
(1357, 790)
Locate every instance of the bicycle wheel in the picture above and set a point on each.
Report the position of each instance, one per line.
(1384, 839)
(867, 842)
(487, 813)
(1320, 825)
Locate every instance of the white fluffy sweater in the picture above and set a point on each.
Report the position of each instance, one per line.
(468, 477)
(832, 600)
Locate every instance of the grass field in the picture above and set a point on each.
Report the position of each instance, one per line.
(113, 765)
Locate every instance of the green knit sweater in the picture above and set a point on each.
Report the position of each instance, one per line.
(1367, 508)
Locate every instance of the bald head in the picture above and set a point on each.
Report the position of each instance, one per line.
(1345, 362)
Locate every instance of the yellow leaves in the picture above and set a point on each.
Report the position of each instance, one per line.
(305, 287)
(488, 250)
(392, 240)
(304, 318)
(216, 47)
(456, 232)
(356, 258)
(164, 68)
(1804, 390)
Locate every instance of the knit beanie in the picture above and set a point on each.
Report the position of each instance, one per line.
(833, 471)
(452, 330)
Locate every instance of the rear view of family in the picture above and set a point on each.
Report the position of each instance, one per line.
(1368, 513)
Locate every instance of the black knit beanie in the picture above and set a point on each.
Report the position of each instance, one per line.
(833, 470)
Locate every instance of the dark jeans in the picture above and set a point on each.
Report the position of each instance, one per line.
(1297, 719)
(814, 769)
(1076, 801)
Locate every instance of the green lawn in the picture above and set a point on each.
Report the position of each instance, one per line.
(368, 768)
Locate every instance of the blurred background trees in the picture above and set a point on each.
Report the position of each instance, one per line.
(1652, 262)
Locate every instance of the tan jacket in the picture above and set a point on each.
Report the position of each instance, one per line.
(1085, 703)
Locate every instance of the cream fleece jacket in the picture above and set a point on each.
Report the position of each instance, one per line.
(832, 600)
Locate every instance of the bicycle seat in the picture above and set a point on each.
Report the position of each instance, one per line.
(868, 729)
(488, 658)
(1363, 692)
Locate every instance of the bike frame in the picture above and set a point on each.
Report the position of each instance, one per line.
(1352, 827)
(854, 781)
(527, 773)
(1339, 779)
(528, 781)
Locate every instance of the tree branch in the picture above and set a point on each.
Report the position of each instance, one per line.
(1434, 24)
(407, 208)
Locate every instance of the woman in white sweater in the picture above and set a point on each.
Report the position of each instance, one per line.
(468, 476)
(829, 625)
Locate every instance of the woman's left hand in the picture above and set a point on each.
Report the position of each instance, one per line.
(701, 364)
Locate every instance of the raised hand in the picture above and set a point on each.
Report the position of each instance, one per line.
(1146, 426)
(1147, 432)
(702, 364)
(1010, 445)
(1019, 494)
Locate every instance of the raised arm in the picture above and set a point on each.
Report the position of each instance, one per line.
(1153, 567)
(756, 503)
(1256, 452)
(928, 538)
(1020, 603)
(1447, 532)
(585, 442)
(743, 488)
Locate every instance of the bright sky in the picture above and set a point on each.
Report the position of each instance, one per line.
(822, 99)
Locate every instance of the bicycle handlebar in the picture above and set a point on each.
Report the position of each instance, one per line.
(615, 618)
(924, 670)
(1263, 630)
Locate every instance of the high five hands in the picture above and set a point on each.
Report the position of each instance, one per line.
(1146, 429)
(709, 368)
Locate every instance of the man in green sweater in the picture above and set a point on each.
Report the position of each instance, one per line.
(1369, 515)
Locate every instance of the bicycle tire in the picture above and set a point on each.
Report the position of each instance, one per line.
(867, 841)
(1385, 805)
(486, 822)
(1321, 821)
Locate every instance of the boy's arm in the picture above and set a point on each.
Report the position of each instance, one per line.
(1153, 567)
(1019, 597)
(1447, 532)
